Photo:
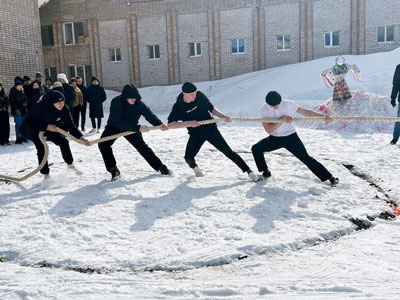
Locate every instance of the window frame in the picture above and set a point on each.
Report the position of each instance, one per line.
(197, 50)
(73, 33)
(284, 48)
(113, 55)
(238, 46)
(331, 33)
(153, 47)
(385, 35)
(48, 30)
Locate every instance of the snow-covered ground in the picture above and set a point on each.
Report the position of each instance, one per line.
(221, 236)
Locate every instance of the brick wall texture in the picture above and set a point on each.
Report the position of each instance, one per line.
(173, 24)
(20, 44)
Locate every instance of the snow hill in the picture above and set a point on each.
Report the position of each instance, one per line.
(221, 236)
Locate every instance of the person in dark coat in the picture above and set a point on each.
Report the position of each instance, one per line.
(95, 97)
(125, 112)
(4, 118)
(35, 95)
(83, 89)
(396, 94)
(193, 106)
(39, 80)
(19, 108)
(47, 115)
(49, 85)
(69, 92)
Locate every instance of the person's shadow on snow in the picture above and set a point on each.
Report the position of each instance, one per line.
(79, 201)
(178, 200)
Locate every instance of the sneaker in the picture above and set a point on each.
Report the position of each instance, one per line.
(72, 167)
(92, 130)
(255, 177)
(266, 174)
(198, 172)
(115, 173)
(165, 171)
(394, 141)
(334, 181)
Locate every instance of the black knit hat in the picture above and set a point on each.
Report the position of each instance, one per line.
(273, 98)
(55, 97)
(38, 75)
(188, 87)
(130, 91)
(27, 78)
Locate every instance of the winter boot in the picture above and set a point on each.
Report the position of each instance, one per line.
(72, 167)
(334, 181)
(115, 174)
(18, 141)
(46, 176)
(165, 171)
(198, 172)
(266, 174)
(253, 176)
(394, 141)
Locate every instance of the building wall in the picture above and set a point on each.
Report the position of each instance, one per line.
(236, 23)
(331, 15)
(114, 35)
(172, 24)
(282, 19)
(376, 16)
(152, 31)
(20, 44)
(193, 28)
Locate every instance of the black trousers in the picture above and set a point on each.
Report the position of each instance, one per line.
(294, 145)
(136, 140)
(76, 114)
(215, 138)
(57, 139)
(4, 127)
(83, 114)
(94, 122)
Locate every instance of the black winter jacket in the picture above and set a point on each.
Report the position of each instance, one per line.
(396, 84)
(69, 93)
(96, 96)
(125, 116)
(18, 102)
(44, 113)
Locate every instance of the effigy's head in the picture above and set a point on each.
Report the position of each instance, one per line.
(340, 60)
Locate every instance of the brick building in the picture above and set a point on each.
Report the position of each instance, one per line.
(161, 42)
(20, 44)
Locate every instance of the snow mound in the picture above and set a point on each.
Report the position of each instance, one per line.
(361, 104)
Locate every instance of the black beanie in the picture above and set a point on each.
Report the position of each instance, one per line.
(130, 91)
(27, 78)
(18, 80)
(188, 87)
(55, 96)
(273, 98)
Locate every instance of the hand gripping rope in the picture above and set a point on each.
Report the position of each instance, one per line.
(115, 136)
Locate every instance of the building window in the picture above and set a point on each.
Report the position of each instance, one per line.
(237, 46)
(194, 49)
(283, 42)
(331, 39)
(47, 35)
(115, 54)
(154, 51)
(51, 72)
(75, 33)
(385, 34)
(85, 72)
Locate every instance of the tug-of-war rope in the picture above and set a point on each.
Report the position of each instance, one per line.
(115, 136)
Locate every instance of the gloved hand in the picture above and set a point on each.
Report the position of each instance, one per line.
(393, 102)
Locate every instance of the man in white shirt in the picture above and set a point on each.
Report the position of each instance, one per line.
(283, 135)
